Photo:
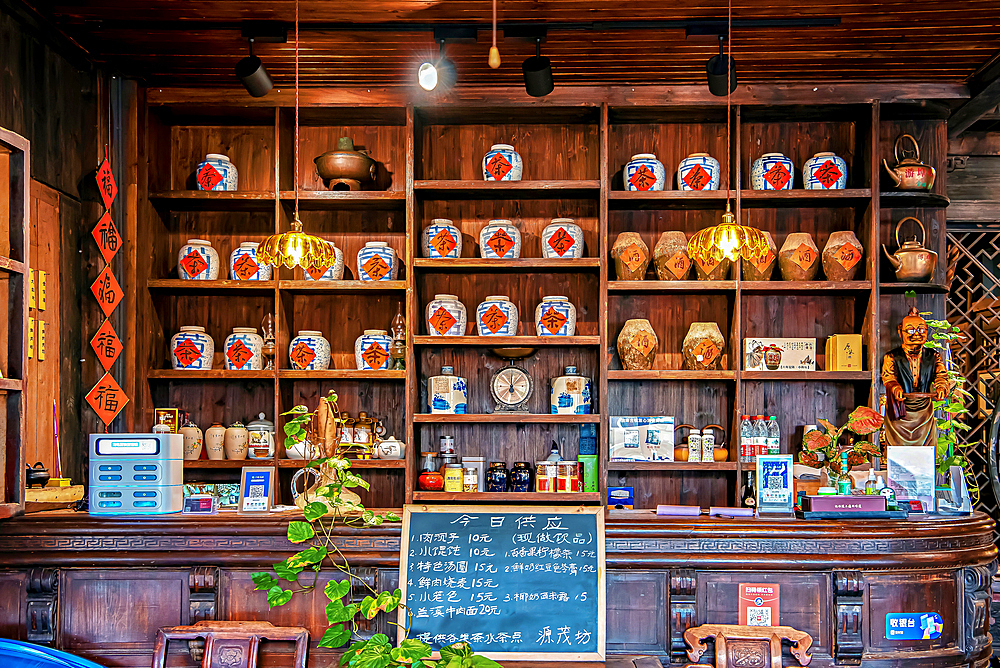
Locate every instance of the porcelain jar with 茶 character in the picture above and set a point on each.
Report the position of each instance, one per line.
(309, 351)
(198, 261)
(441, 239)
(698, 171)
(334, 272)
(191, 349)
(497, 316)
(217, 173)
(446, 316)
(772, 171)
(500, 240)
(371, 350)
(242, 349)
(824, 171)
(555, 316)
(244, 266)
(502, 163)
(562, 238)
(644, 172)
(377, 262)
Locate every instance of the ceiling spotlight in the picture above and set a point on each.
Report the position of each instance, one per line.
(537, 73)
(251, 72)
(721, 72)
(440, 72)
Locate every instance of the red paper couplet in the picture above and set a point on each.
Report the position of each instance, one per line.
(107, 399)
(107, 291)
(106, 235)
(107, 345)
(498, 166)
(106, 183)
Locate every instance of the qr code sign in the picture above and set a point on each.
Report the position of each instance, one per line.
(758, 616)
(256, 491)
(774, 482)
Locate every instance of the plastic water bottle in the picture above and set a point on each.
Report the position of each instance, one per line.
(760, 436)
(773, 436)
(746, 439)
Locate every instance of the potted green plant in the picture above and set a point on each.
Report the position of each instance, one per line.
(822, 449)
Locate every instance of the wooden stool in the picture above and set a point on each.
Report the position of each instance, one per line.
(747, 646)
(231, 644)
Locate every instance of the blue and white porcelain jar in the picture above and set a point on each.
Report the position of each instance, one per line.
(309, 351)
(334, 273)
(772, 171)
(497, 316)
(446, 316)
(371, 350)
(243, 349)
(191, 349)
(555, 316)
(644, 172)
(502, 163)
(198, 261)
(441, 239)
(825, 171)
(500, 240)
(446, 393)
(562, 238)
(377, 262)
(698, 171)
(570, 394)
(243, 264)
(215, 172)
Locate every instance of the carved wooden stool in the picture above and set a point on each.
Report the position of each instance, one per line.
(231, 644)
(747, 646)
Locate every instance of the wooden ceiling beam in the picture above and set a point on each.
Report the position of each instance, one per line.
(985, 89)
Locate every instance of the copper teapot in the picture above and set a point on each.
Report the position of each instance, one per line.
(909, 173)
(913, 263)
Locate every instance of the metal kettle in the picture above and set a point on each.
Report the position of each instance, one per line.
(913, 263)
(909, 173)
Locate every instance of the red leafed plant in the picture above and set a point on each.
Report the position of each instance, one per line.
(862, 421)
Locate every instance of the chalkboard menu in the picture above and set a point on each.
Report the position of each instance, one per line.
(517, 582)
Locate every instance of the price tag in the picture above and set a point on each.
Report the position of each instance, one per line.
(494, 319)
(239, 354)
(553, 321)
(706, 351)
(106, 235)
(804, 256)
(107, 291)
(441, 320)
(697, 178)
(848, 255)
(245, 267)
(302, 355)
(106, 344)
(560, 241)
(443, 242)
(208, 176)
(107, 398)
(501, 243)
(679, 264)
(643, 342)
(376, 268)
(498, 166)
(633, 256)
(375, 355)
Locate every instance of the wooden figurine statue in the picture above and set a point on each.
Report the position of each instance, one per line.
(913, 376)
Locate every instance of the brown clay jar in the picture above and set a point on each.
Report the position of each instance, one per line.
(631, 256)
(703, 347)
(670, 257)
(761, 268)
(842, 256)
(637, 345)
(799, 257)
(712, 270)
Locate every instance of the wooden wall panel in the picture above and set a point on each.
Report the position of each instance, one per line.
(13, 593)
(912, 592)
(637, 612)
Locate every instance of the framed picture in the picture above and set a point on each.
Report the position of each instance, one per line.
(912, 472)
(170, 416)
(775, 485)
(257, 489)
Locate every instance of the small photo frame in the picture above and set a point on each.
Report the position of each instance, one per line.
(200, 504)
(257, 489)
(171, 418)
(775, 484)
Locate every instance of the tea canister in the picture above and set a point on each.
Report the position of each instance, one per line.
(502, 163)
(824, 171)
(698, 171)
(500, 240)
(562, 238)
(371, 350)
(446, 393)
(377, 262)
(235, 441)
(519, 478)
(454, 475)
(496, 477)
(309, 351)
(192, 349)
(497, 316)
(479, 464)
(214, 437)
(198, 261)
(772, 171)
(446, 316)
(441, 239)
(546, 474)
(555, 316)
(260, 434)
(570, 394)
(194, 441)
(567, 476)
(243, 349)
(243, 264)
(470, 479)
(215, 172)
(644, 172)
(334, 272)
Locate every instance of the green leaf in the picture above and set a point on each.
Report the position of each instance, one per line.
(337, 589)
(263, 581)
(368, 608)
(412, 650)
(287, 572)
(449, 652)
(312, 555)
(351, 480)
(392, 517)
(300, 532)
(478, 661)
(336, 611)
(910, 294)
(335, 636)
(277, 596)
(314, 510)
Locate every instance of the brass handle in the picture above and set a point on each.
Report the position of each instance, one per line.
(923, 232)
(916, 147)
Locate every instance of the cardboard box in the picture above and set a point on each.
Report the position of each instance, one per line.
(589, 464)
(844, 352)
(779, 354)
(642, 439)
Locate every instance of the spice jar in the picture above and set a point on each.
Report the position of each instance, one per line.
(470, 479)
(453, 477)
(496, 477)
(546, 474)
(519, 479)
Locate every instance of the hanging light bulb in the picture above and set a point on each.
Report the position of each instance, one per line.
(727, 240)
(494, 60)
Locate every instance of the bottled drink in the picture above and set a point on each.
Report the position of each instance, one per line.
(748, 498)
(746, 439)
(844, 481)
(773, 436)
(759, 436)
(708, 445)
(694, 445)
(871, 485)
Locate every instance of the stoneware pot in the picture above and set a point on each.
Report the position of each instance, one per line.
(377, 262)
(235, 441)
(309, 351)
(670, 257)
(198, 261)
(191, 349)
(637, 345)
(842, 256)
(631, 256)
(243, 264)
(214, 441)
(371, 350)
(497, 316)
(761, 268)
(333, 273)
(243, 349)
(216, 168)
(441, 239)
(562, 238)
(703, 347)
(798, 259)
(345, 168)
(447, 393)
(698, 171)
(570, 394)
(824, 171)
(644, 172)
(502, 163)
(710, 269)
(390, 448)
(446, 316)
(772, 171)
(194, 441)
(500, 240)
(555, 316)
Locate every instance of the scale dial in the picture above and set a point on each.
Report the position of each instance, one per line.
(511, 388)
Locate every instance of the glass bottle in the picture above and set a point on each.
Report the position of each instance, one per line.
(364, 427)
(844, 479)
(161, 427)
(554, 455)
(267, 329)
(430, 479)
(398, 349)
(773, 436)
(746, 440)
(748, 498)
(871, 485)
(347, 435)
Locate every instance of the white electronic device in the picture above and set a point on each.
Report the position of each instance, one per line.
(136, 474)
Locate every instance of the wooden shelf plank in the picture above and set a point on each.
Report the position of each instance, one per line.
(341, 374)
(512, 498)
(332, 200)
(210, 200)
(181, 286)
(440, 189)
(673, 466)
(529, 264)
(767, 199)
(716, 199)
(225, 463)
(626, 200)
(506, 341)
(355, 463)
(11, 266)
(10, 384)
(768, 287)
(808, 375)
(346, 287)
(671, 286)
(899, 288)
(514, 418)
(670, 374)
(892, 199)
(209, 374)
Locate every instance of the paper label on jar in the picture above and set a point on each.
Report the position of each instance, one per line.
(707, 264)
(848, 255)
(500, 242)
(678, 264)
(761, 261)
(642, 341)
(706, 351)
(441, 320)
(804, 256)
(440, 384)
(347, 435)
(553, 320)
(633, 256)
(573, 385)
(443, 242)
(494, 318)
(560, 241)
(708, 448)
(376, 268)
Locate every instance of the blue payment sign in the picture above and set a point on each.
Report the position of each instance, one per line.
(913, 625)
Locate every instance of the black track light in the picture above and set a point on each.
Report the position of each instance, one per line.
(721, 79)
(254, 76)
(538, 73)
(431, 75)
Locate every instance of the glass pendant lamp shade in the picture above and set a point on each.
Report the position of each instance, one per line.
(727, 240)
(296, 248)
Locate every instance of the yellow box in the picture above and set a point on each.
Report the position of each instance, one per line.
(844, 352)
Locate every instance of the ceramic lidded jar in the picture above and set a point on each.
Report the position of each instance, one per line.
(496, 477)
(637, 344)
(447, 393)
(500, 240)
(502, 163)
(261, 438)
(214, 441)
(562, 238)
(698, 171)
(191, 349)
(762, 267)
(441, 239)
(631, 256)
(670, 257)
(497, 316)
(703, 347)
(824, 171)
(334, 272)
(377, 262)
(198, 261)
(243, 264)
(555, 316)
(194, 440)
(570, 394)
(644, 172)
(215, 172)
(519, 478)
(243, 349)
(371, 350)
(309, 351)
(446, 316)
(235, 440)
(842, 256)
(798, 259)
(772, 171)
